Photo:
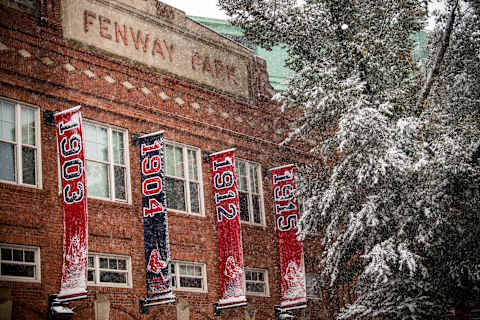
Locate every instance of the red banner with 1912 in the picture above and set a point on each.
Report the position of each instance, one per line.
(292, 268)
(74, 194)
(230, 251)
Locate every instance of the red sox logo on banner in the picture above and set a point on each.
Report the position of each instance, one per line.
(155, 265)
(290, 249)
(72, 172)
(232, 288)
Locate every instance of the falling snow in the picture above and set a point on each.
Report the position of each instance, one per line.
(395, 192)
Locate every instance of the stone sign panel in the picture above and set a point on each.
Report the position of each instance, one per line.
(151, 33)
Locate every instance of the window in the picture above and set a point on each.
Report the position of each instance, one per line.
(19, 144)
(256, 281)
(106, 154)
(19, 263)
(312, 283)
(183, 178)
(188, 276)
(109, 270)
(249, 191)
(21, 4)
(26, 3)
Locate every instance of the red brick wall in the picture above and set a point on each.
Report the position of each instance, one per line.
(208, 120)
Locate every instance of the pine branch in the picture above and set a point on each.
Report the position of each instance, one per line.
(438, 61)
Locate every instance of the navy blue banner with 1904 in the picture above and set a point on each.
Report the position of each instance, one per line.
(155, 220)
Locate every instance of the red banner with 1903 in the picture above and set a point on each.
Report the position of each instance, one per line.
(74, 195)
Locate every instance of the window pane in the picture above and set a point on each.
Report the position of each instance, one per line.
(256, 209)
(192, 165)
(28, 126)
(18, 255)
(118, 147)
(113, 277)
(194, 197)
(248, 275)
(18, 270)
(97, 179)
(120, 185)
(175, 194)
(170, 160)
(28, 165)
(240, 171)
(243, 199)
(90, 275)
(183, 269)
(172, 268)
(7, 161)
(253, 178)
(198, 271)
(29, 256)
(174, 281)
(122, 264)
(187, 282)
(179, 162)
(190, 271)
(96, 142)
(7, 121)
(91, 263)
(6, 254)
(112, 263)
(241, 168)
(254, 276)
(104, 263)
(256, 287)
(260, 276)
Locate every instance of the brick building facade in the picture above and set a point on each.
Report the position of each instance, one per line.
(135, 67)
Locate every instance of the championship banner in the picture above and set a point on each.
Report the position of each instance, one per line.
(155, 220)
(227, 212)
(74, 194)
(292, 268)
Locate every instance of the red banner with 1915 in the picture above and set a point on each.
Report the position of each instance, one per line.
(292, 269)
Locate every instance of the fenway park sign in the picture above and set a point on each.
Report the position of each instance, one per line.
(158, 36)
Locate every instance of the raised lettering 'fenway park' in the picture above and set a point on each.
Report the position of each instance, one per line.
(159, 240)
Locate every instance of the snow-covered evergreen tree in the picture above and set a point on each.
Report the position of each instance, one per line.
(397, 195)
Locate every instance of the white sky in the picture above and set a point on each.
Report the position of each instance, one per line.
(200, 8)
(209, 9)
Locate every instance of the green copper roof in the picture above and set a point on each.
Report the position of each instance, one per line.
(277, 72)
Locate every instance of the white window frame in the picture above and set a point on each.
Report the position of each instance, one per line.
(18, 145)
(96, 270)
(249, 192)
(110, 163)
(265, 282)
(36, 263)
(186, 177)
(176, 275)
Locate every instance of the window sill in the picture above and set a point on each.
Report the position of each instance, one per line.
(112, 202)
(190, 290)
(253, 224)
(4, 184)
(184, 213)
(19, 279)
(258, 295)
(110, 286)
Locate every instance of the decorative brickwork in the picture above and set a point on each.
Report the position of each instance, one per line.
(40, 69)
